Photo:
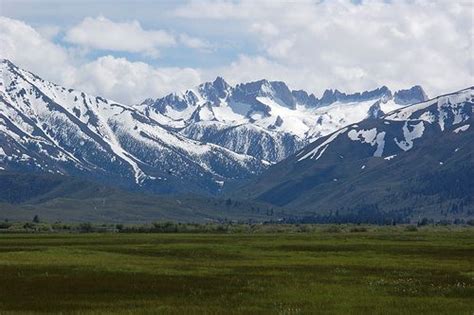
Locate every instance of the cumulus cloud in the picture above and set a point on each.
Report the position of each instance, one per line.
(249, 68)
(49, 31)
(339, 44)
(115, 78)
(265, 29)
(132, 82)
(102, 33)
(22, 44)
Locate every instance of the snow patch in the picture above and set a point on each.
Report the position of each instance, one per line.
(409, 136)
(380, 144)
(461, 129)
(319, 150)
(367, 136)
(371, 137)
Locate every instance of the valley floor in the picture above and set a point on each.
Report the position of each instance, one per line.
(383, 270)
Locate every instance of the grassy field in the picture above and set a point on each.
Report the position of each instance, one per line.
(379, 271)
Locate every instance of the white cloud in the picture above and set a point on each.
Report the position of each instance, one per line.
(115, 78)
(352, 47)
(195, 43)
(132, 82)
(102, 33)
(249, 68)
(266, 29)
(49, 31)
(23, 45)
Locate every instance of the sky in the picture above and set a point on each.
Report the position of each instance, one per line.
(132, 50)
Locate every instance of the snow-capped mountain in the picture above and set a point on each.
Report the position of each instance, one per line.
(266, 119)
(48, 128)
(397, 131)
(196, 141)
(415, 158)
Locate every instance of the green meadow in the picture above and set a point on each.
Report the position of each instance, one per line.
(374, 270)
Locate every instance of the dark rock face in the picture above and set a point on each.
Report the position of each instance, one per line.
(375, 111)
(331, 96)
(416, 94)
(282, 92)
(279, 91)
(303, 98)
(214, 91)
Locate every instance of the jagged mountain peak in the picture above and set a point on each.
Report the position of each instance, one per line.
(255, 87)
(220, 83)
(412, 95)
(303, 98)
(216, 91)
(276, 91)
(331, 96)
(263, 86)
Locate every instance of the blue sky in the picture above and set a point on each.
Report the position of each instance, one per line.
(227, 41)
(131, 50)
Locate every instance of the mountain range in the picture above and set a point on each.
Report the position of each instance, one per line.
(412, 162)
(265, 119)
(197, 141)
(395, 152)
(48, 128)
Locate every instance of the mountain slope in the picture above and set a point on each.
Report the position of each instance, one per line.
(265, 119)
(67, 199)
(48, 128)
(417, 160)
